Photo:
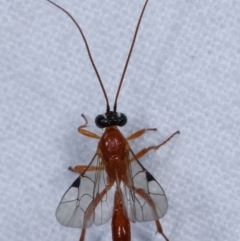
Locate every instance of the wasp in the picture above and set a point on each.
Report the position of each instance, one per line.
(115, 185)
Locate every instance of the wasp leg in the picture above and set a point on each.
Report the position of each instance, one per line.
(151, 203)
(85, 132)
(81, 168)
(145, 150)
(92, 207)
(160, 230)
(95, 202)
(139, 133)
(82, 234)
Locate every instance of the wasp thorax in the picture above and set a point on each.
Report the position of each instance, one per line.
(111, 119)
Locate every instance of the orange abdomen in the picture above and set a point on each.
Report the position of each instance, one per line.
(120, 224)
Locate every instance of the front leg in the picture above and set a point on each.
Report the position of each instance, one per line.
(84, 132)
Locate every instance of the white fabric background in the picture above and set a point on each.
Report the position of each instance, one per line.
(184, 74)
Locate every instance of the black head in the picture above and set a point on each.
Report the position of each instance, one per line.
(111, 118)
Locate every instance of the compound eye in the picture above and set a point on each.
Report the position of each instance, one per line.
(111, 119)
(122, 119)
(101, 121)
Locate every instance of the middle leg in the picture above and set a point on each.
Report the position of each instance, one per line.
(146, 150)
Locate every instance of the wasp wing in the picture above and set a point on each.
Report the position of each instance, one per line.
(144, 198)
(88, 200)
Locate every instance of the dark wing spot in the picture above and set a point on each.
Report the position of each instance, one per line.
(149, 176)
(76, 183)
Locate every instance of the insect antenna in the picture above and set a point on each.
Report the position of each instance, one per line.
(128, 58)
(88, 51)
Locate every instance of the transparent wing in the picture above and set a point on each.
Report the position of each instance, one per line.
(88, 200)
(144, 198)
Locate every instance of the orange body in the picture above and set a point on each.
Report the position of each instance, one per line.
(113, 148)
(121, 230)
(115, 184)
